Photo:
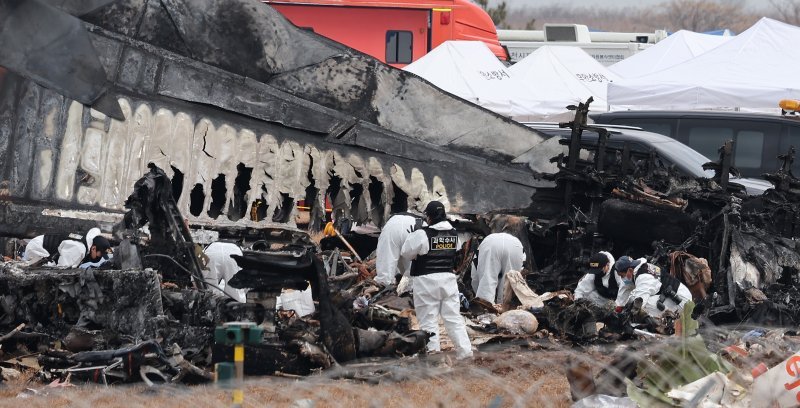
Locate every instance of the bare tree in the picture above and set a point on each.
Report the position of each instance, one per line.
(702, 15)
(498, 14)
(697, 15)
(788, 10)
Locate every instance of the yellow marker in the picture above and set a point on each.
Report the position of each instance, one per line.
(238, 397)
(238, 353)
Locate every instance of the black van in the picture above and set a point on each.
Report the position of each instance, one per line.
(758, 138)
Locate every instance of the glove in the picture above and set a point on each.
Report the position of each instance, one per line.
(329, 230)
(464, 301)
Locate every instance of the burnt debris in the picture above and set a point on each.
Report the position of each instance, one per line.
(246, 143)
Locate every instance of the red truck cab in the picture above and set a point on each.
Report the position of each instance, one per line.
(396, 32)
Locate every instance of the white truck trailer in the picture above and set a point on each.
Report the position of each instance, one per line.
(606, 47)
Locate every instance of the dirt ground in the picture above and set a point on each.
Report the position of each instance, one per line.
(506, 377)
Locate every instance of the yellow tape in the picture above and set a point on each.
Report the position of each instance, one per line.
(238, 353)
(442, 9)
(238, 396)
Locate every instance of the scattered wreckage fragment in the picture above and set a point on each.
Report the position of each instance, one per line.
(278, 131)
(106, 320)
(631, 203)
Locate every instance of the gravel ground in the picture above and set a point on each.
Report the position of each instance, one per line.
(509, 376)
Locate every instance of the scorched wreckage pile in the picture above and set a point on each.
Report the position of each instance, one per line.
(246, 146)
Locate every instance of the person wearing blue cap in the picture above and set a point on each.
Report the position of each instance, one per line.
(100, 253)
(658, 290)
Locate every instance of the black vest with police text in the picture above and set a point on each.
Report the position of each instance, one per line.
(609, 292)
(441, 256)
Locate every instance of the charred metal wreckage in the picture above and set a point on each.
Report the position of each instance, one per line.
(247, 115)
(630, 203)
(232, 127)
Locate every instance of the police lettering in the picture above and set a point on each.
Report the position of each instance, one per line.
(440, 243)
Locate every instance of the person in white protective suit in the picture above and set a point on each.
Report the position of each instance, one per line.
(432, 252)
(66, 250)
(601, 285)
(221, 268)
(498, 254)
(387, 256)
(657, 288)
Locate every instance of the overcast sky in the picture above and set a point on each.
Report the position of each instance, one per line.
(605, 3)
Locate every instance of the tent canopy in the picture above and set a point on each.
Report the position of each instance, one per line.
(564, 75)
(675, 49)
(751, 70)
(469, 70)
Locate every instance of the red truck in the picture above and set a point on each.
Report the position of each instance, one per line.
(396, 32)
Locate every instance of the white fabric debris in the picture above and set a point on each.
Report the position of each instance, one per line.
(604, 401)
(515, 286)
(298, 300)
(717, 390)
(517, 322)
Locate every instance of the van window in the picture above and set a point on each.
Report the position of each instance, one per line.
(749, 145)
(399, 46)
(707, 140)
(663, 126)
(792, 138)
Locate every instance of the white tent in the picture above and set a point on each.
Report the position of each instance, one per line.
(754, 69)
(563, 75)
(673, 50)
(469, 70)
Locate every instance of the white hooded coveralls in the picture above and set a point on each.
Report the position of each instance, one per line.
(390, 242)
(646, 286)
(221, 267)
(435, 295)
(70, 252)
(498, 254)
(586, 289)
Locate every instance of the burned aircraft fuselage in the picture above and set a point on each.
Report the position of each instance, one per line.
(245, 126)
